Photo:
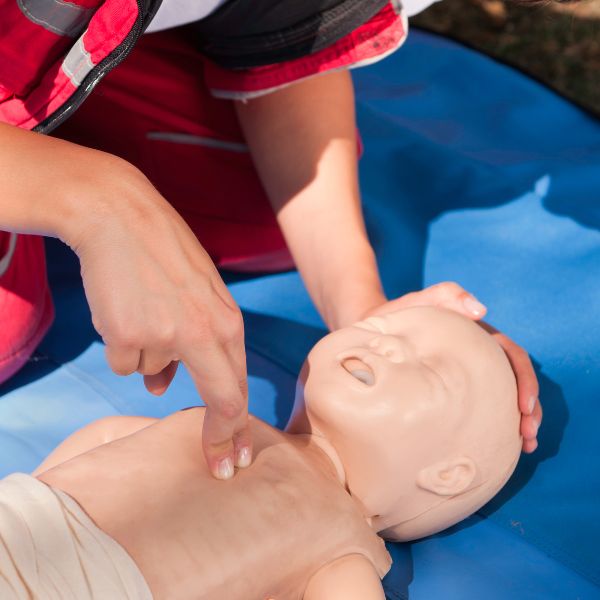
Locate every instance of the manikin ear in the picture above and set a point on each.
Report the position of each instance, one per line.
(448, 477)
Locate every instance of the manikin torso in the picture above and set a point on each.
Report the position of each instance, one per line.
(260, 535)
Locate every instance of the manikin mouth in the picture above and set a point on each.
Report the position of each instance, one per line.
(359, 370)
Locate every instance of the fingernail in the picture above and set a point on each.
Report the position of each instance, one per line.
(536, 426)
(244, 458)
(473, 306)
(531, 405)
(225, 470)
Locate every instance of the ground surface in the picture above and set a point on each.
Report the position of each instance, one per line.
(557, 43)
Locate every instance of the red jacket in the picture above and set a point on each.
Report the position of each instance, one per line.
(53, 52)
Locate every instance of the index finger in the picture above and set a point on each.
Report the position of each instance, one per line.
(222, 384)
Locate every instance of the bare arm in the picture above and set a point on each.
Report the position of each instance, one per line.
(303, 141)
(91, 436)
(38, 175)
(352, 577)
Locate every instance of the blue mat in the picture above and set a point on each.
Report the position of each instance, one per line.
(471, 173)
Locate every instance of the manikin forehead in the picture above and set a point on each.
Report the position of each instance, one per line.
(375, 325)
(430, 330)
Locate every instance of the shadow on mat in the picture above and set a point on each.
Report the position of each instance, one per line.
(398, 580)
(286, 344)
(72, 331)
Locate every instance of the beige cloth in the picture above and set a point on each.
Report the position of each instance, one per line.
(51, 550)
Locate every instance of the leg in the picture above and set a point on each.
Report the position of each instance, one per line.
(91, 436)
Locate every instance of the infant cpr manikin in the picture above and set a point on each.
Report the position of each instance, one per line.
(403, 424)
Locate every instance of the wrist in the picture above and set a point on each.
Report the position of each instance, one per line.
(353, 290)
(355, 309)
(106, 189)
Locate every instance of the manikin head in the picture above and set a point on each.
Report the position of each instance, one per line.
(421, 408)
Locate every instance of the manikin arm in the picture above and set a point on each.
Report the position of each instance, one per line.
(91, 436)
(352, 577)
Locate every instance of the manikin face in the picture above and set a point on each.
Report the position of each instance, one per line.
(396, 395)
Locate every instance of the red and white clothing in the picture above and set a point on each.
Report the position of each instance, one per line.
(166, 108)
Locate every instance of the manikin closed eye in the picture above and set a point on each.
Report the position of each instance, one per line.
(359, 370)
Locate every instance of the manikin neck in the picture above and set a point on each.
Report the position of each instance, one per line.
(302, 429)
(325, 447)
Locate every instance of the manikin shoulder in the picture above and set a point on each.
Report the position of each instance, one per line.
(351, 577)
(95, 434)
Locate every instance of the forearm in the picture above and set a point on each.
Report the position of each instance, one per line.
(303, 140)
(49, 186)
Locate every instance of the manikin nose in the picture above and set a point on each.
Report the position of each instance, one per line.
(392, 347)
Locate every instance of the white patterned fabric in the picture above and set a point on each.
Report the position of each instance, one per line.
(51, 550)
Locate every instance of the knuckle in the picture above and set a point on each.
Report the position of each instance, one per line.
(215, 447)
(450, 289)
(164, 335)
(242, 390)
(243, 385)
(230, 409)
(124, 336)
(233, 328)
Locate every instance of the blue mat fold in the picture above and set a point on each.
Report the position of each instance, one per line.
(473, 173)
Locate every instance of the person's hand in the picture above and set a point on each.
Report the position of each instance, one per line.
(452, 296)
(448, 295)
(527, 386)
(156, 299)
